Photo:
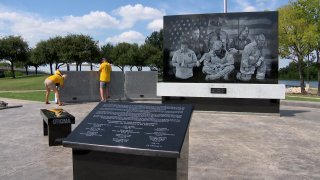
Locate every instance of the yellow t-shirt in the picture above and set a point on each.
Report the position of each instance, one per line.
(105, 70)
(57, 79)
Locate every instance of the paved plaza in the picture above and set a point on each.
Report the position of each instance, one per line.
(222, 145)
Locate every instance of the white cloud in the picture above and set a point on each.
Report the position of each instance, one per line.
(155, 25)
(249, 9)
(131, 14)
(245, 6)
(33, 27)
(129, 37)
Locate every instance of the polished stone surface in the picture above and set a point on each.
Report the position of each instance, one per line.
(222, 145)
(133, 128)
(56, 125)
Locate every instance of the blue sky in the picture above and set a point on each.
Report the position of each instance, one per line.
(105, 20)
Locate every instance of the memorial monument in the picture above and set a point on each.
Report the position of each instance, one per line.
(230, 62)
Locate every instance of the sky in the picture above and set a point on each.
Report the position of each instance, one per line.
(105, 20)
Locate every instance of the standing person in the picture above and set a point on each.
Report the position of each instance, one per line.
(105, 70)
(184, 60)
(52, 82)
(196, 44)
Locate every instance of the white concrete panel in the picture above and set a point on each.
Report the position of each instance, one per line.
(255, 91)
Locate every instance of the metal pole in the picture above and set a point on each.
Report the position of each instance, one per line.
(225, 6)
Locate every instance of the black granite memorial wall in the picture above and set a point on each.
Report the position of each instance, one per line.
(228, 48)
(221, 48)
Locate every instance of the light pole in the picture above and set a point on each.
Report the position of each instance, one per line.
(225, 6)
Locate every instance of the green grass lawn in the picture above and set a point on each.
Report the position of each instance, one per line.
(23, 83)
(298, 97)
(33, 96)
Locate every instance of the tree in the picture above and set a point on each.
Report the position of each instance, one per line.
(51, 51)
(152, 57)
(155, 39)
(13, 49)
(134, 57)
(292, 45)
(78, 49)
(310, 10)
(120, 56)
(154, 51)
(39, 56)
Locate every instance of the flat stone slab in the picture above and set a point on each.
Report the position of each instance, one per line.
(133, 128)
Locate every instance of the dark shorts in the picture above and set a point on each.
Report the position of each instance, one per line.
(103, 84)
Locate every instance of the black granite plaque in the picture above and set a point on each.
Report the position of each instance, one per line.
(139, 129)
(56, 124)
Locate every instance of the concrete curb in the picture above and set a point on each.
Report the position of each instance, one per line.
(300, 103)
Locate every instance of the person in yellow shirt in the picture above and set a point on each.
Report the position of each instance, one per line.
(52, 82)
(105, 71)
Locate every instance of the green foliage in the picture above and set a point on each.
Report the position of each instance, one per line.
(152, 56)
(120, 56)
(155, 39)
(4, 64)
(290, 72)
(106, 51)
(13, 49)
(9, 73)
(78, 49)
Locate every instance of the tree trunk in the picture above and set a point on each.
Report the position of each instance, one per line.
(68, 67)
(57, 66)
(80, 67)
(91, 67)
(26, 67)
(36, 69)
(51, 68)
(300, 61)
(318, 63)
(12, 70)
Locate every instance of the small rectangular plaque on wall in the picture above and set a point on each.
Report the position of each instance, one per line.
(218, 90)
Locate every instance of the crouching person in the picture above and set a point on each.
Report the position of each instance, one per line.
(52, 83)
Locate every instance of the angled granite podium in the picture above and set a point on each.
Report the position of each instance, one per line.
(121, 141)
(56, 125)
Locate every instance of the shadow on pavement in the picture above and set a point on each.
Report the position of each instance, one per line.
(291, 113)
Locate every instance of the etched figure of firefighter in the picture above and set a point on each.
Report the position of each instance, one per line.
(252, 60)
(196, 43)
(217, 63)
(184, 60)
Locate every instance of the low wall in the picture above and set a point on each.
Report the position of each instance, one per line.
(141, 85)
(83, 86)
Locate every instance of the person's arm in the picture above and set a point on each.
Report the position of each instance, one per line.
(174, 60)
(100, 68)
(245, 56)
(193, 61)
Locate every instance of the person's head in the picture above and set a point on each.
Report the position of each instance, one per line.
(195, 33)
(103, 60)
(244, 32)
(184, 44)
(260, 40)
(217, 45)
(58, 72)
(64, 76)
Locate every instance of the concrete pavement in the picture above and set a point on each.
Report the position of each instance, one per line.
(222, 146)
